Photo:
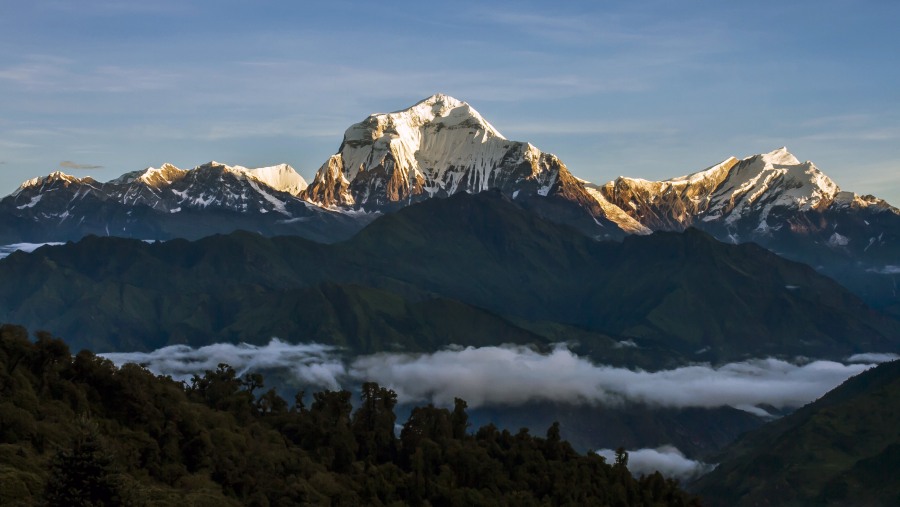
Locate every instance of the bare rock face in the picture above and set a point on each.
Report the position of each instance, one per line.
(743, 199)
(330, 188)
(670, 205)
(439, 147)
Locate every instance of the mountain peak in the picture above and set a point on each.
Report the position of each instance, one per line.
(45, 180)
(440, 109)
(781, 156)
(152, 176)
(281, 177)
(440, 100)
(165, 174)
(799, 182)
(438, 146)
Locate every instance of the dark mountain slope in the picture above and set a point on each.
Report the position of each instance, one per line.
(678, 293)
(694, 287)
(842, 449)
(682, 291)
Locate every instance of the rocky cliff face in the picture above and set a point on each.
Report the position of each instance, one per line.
(442, 146)
(742, 199)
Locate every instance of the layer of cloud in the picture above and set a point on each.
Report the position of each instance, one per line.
(516, 375)
(668, 460)
(513, 375)
(873, 357)
(887, 270)
(313, 363)
(5, 250)
(68, 164)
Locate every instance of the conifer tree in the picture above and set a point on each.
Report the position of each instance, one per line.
(84, 475)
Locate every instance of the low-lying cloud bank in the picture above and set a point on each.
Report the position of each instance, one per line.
(668, 460)
(6, 250)
(515, 375)
(309, 363)
(876, 357)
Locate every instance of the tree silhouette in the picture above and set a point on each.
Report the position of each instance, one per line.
(84, 475)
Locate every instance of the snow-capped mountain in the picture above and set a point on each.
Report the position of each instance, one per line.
(738, 195)
(442, 146)
(171, 202)
(170, 189)
(235, 188)
(743, 200)
(787, 206)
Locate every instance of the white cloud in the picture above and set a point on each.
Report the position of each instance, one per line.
(668, 460)
(515, 375)
(873, 357)
(311, 363)
(887, 270)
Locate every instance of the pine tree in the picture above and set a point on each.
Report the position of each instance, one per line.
(85, 474)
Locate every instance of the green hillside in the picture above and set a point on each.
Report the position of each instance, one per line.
(843, 449)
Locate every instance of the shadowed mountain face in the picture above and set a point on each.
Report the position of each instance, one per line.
(843, 449)
(470, 269)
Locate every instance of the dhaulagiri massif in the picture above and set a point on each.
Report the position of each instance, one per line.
(442, 146)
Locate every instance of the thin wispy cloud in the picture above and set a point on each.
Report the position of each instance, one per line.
(874, 357)
(221, 131)
(35, 71)
(8, 144)
(622, 30)
(49, 74)
(68, 164)
(565, 29)
(850, 128)
(115, 7)
(600, 127)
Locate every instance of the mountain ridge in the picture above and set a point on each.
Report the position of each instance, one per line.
(482, 250)
(442, 146)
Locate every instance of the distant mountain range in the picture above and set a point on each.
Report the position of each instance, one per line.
(467, 270)
(472, 269)
(168, 202)
(442, 146)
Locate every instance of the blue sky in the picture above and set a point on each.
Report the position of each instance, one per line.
(644, 88)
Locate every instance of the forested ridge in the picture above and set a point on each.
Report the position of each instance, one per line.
(77, 430)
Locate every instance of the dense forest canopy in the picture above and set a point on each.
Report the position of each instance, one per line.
(77, 430)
